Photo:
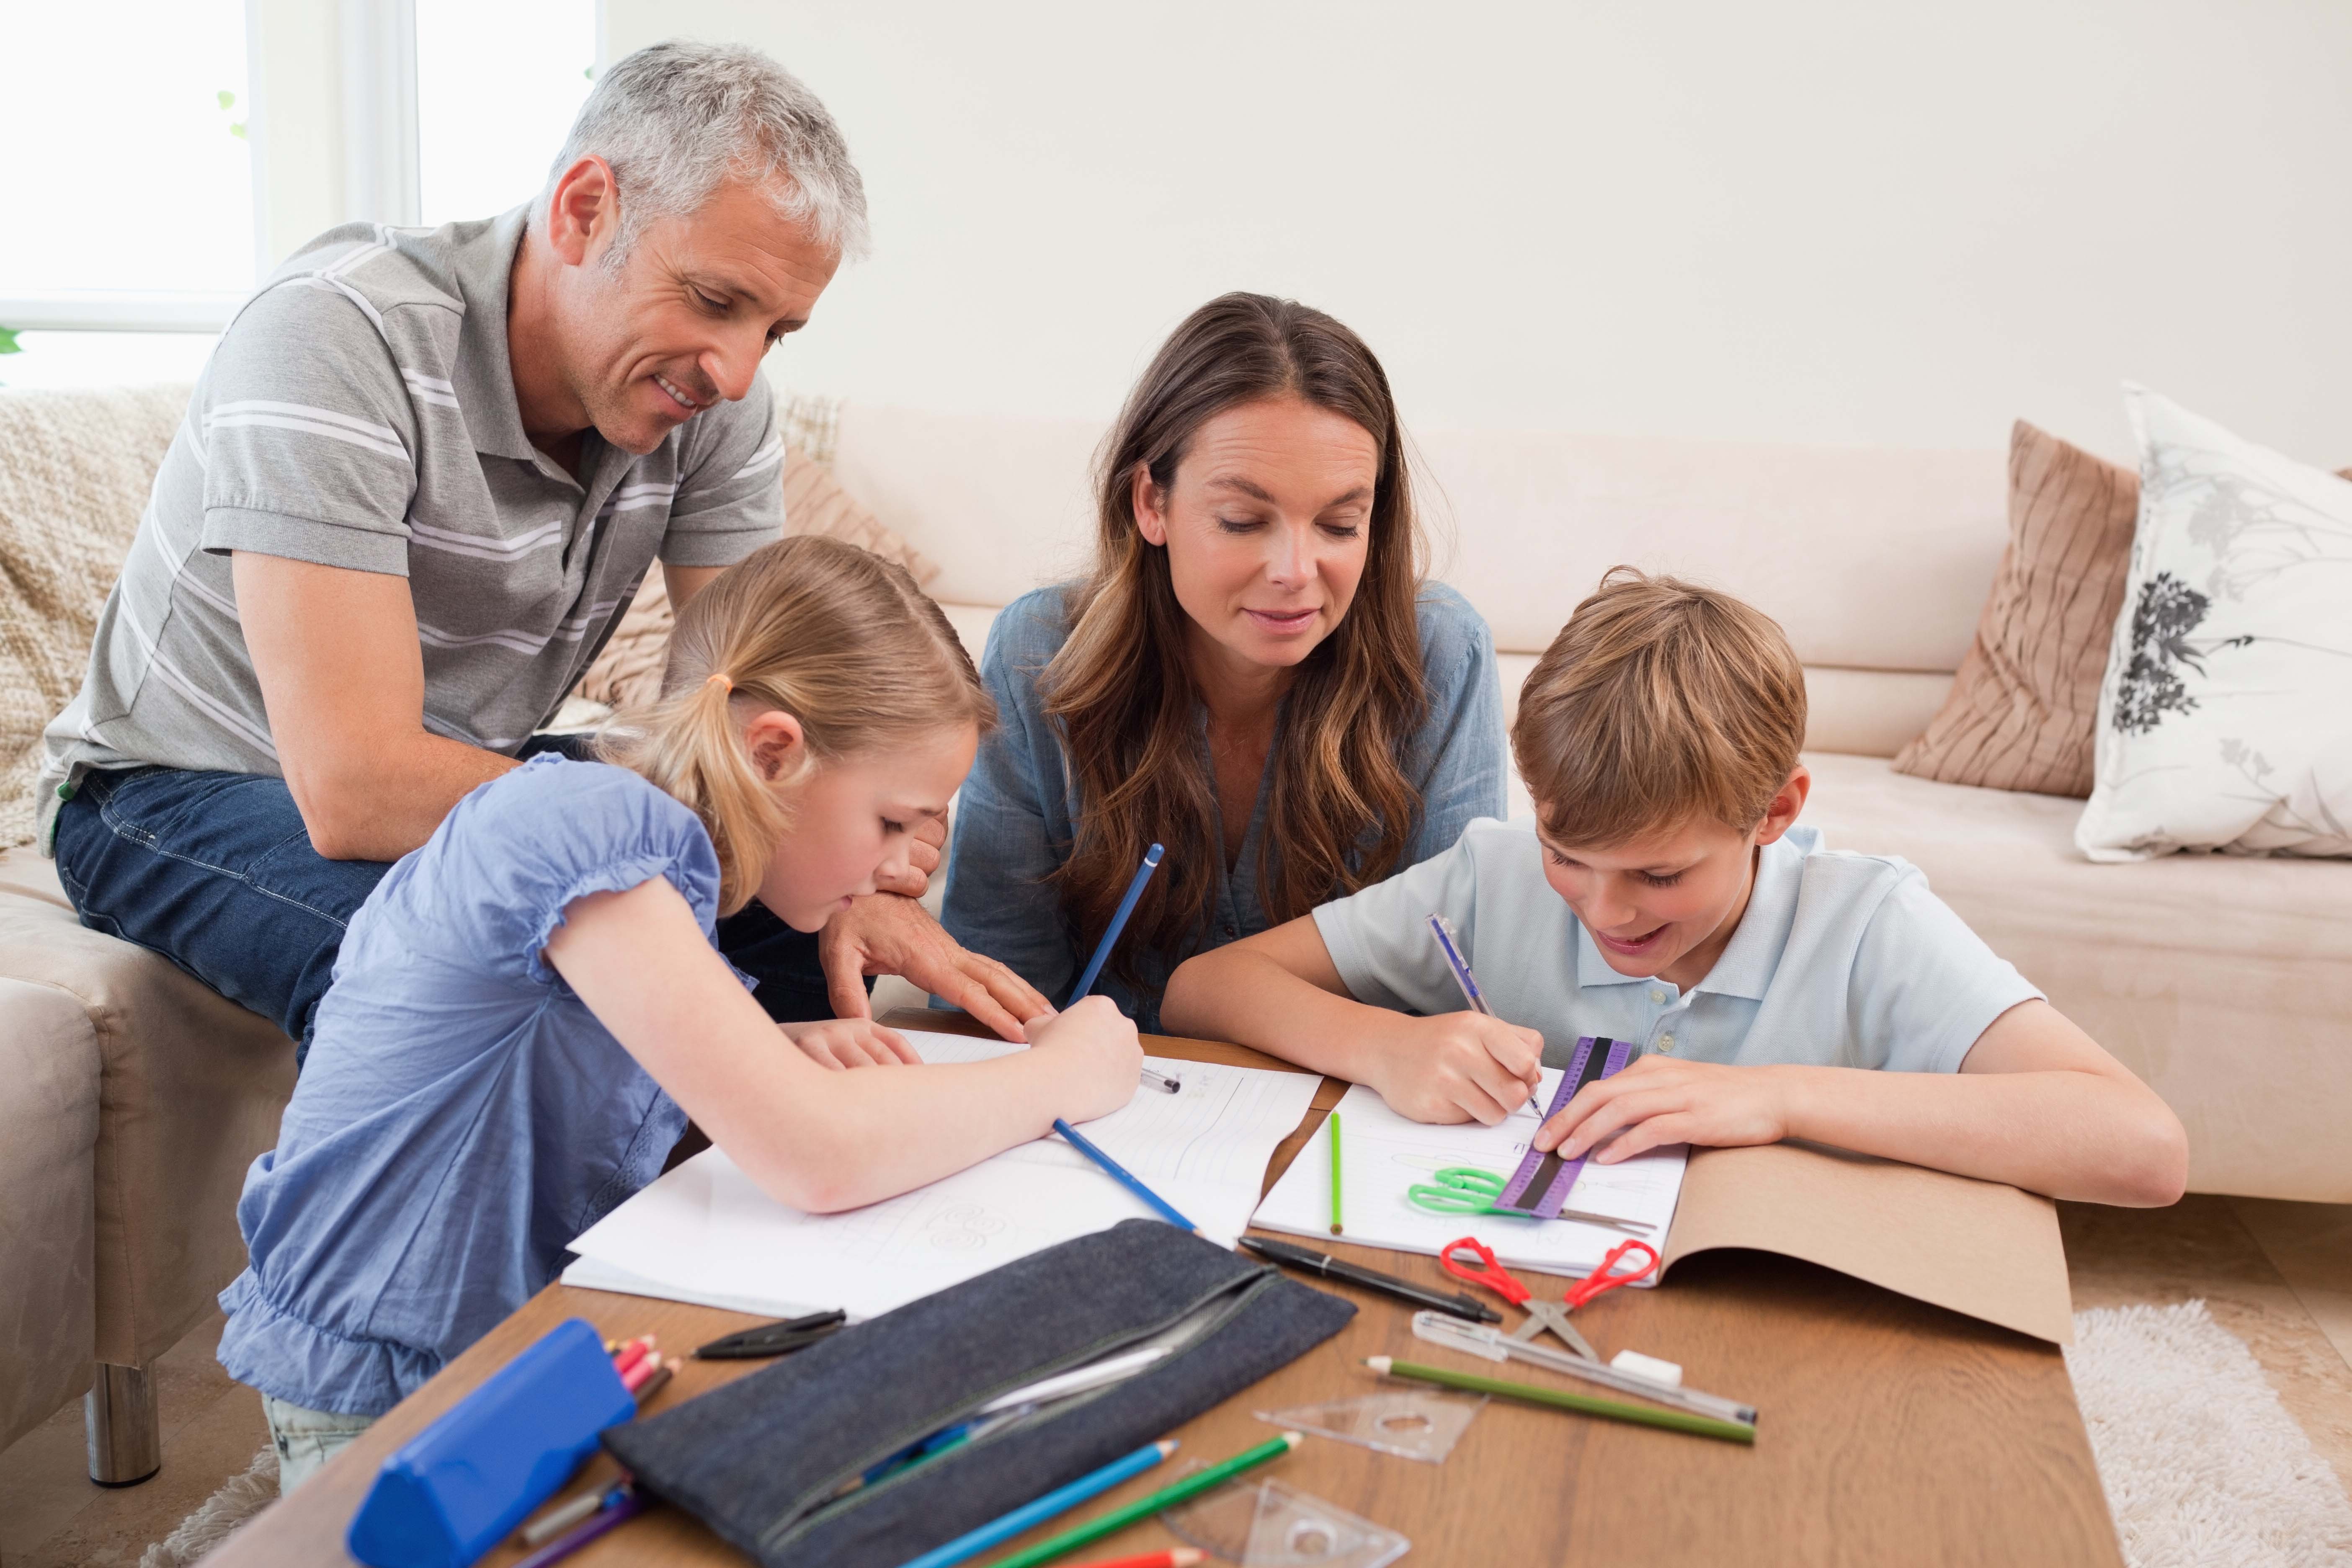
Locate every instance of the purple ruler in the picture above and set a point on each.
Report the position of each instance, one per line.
(1541, 1184)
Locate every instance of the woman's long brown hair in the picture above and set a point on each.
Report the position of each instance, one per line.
(1340, 806)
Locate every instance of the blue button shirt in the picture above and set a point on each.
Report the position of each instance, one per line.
(463, 1115)
(1015, 818)
(1840, 960)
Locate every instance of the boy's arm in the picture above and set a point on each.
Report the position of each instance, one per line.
(1279, 991)
(2036, 1103)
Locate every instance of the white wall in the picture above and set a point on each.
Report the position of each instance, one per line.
(1813, 221)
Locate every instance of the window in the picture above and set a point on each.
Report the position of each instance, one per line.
(132, 231)
(131, 188)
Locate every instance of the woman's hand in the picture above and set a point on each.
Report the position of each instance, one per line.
(1095, 1044)
(840, 1043)
(1457, 1067)
(1659, 1101)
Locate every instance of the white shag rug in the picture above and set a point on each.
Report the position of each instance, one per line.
(2202, 1465)
(238, 1501)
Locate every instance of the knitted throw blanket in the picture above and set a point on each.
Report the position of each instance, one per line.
(75, 469)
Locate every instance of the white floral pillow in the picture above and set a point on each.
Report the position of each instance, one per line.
(2225, 720)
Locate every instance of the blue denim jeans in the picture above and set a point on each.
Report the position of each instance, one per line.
(216, 872)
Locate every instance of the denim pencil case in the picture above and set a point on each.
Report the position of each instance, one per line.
(764, 1461)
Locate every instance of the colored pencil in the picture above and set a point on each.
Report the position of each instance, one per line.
(626, 1361)
(653, 1386)
(1561, 1399)
(1335, 1174)
(1059, 1500)
(1117, 923)
(1123, 1176)
(1119, 1519)
(1173, 1557)
(620, 1513)
(637, 1376)
(556, 1521)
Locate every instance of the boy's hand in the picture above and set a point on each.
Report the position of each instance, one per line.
(839, 1043)
(1096, 1046)
(1459, 1067)
(1659, 1101)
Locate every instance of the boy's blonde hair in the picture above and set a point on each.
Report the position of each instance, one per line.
(839, 638)
(1660, 701)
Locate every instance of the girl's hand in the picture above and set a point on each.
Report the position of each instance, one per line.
(1096, 1046)
(1659, 1101)
(1458, 1067)
(840, 1043)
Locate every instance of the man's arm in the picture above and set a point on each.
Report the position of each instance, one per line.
(685, 582)
(343, 679)
(2036, 1103)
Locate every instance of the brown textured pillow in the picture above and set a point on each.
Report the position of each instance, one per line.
(628, 669)
(2021, 711)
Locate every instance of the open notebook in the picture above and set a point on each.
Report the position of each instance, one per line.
(704, 1233)
(1384, 1155)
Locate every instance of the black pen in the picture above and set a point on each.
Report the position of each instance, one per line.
(773, 1339)
(1459, 1305)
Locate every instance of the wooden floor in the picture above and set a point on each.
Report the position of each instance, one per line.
(2277, 1275)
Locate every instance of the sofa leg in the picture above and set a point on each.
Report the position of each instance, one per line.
(124, 1430)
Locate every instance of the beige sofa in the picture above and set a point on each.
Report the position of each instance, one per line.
(2226, 983)
(136, 1098)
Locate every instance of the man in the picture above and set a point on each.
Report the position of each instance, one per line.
(420, 479)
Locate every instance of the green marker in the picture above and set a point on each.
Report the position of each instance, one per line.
(1144, 1508)
(1672, 1420)
(1335, 1173)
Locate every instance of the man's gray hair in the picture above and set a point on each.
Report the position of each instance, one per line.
(675, 120)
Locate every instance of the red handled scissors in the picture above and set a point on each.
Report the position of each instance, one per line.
(1542, 1314)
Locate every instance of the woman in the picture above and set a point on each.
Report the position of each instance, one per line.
(1254, 674)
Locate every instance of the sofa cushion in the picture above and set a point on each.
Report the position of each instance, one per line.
(2020, 713)
(2224, 982)
(49, 1132)
(75, 469)
(191, 1087)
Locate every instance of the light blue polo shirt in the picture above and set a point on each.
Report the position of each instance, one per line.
(1840, 960)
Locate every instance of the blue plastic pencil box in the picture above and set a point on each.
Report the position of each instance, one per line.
(771, 1461)
(456, 1488)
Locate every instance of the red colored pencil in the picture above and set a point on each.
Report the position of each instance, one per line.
(1173, 1557)
(633, 1352)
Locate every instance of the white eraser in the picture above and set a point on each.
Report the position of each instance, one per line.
(1648, 1366)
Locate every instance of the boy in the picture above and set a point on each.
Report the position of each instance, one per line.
(1663, 895)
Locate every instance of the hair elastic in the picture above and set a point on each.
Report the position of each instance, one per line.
(721, 680)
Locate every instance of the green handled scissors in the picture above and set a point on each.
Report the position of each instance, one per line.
(1466, 1189)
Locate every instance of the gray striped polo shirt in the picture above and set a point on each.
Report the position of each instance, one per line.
(360, 412)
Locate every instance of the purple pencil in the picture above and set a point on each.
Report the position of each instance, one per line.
(621, 1512)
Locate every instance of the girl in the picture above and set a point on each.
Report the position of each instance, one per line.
(1254, 673)
(530, 1007)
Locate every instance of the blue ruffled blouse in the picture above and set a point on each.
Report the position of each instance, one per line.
(462, 1115)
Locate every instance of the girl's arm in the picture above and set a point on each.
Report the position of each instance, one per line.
(817, 1139)
(1279, 991)
(2036, 1103)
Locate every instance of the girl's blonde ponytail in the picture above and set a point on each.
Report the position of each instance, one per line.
(837, 637)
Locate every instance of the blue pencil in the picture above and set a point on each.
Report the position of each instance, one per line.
(1061, 1500)
(1118, 1172)
(1122, 1176)
(1118, 924)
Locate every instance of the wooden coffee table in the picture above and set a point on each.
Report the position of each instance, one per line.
(1890, 1431)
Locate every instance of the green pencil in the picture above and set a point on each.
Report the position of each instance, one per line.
(1335, 1173)
(1119, 1519)
(1672, 1420)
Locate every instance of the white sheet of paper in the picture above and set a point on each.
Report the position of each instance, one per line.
(1382, 1154)
(705, 1233)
